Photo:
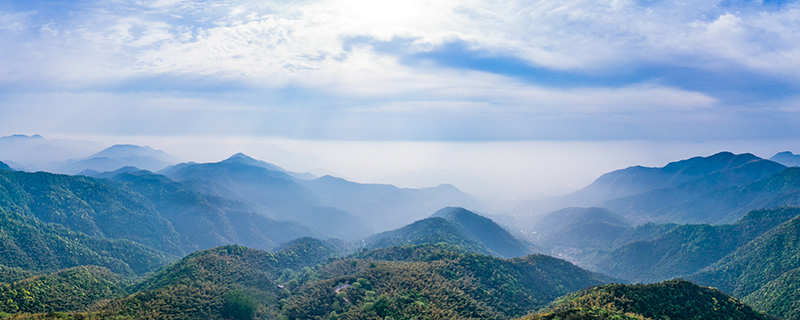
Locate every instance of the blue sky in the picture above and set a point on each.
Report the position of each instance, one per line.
(412, 70)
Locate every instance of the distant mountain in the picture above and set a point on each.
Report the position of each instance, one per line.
(687, 249)
(118, 156)
(715, 189)
(34, 153)
(387, 206)
(203, 220)
(787, 158)
(35, 246)
(580, 227)
(274, 193)
(675, 299)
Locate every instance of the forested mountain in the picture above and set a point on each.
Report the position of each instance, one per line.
(675, 299)
(92, 206)
(36, 246)
(687, 248)
(4, 166)
(455, 226)
(717, 189)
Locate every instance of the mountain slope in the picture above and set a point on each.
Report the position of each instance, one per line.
(486, 232)
(687, 249)
(780, 296)
(204, 221)
(760, 261)
(118, 156)
(270, 192)
(674, 299)
(92, 206)
(74, 289)
(431, 230)
(35, 246)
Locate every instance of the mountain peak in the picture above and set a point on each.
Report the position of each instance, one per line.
(248, 160)
(787, 158)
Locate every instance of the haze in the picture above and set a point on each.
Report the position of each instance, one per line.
(510, 100)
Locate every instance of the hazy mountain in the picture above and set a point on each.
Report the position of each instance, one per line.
(274, 193)
(387, 206)
(675, 299)
(580, 227)
(687, 249)
(204, 221)
(35, 246)
(118, 156)
(787, 158)
(34, 152)
(4, 166)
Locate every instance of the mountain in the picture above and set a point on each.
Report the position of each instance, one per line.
(458, 227)
(35, 246)
(95, 207)
(787, 158)
(426, 231)
(74, 289)
(204, 221)
(275, 194)
(4, 166)
(674, 299)
(35, 153)
(687, 249)
(386, 206)
(118, 156)
(486, 232)
(580, 227)
(755, 264)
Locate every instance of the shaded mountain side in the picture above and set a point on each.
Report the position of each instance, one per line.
(670, 204)
(74, 289)
(787, 158)
(386, 206)
(687, 249)
(580, 228)
(780, 296)
(674, 299)
(426, 231)
(273, 193)
(92, 206)
(205, 221)
(638, 179)
(35, 246)
(486, 232)
(755, 264)
(4, 166)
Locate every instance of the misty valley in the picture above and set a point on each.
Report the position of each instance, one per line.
(131, 232)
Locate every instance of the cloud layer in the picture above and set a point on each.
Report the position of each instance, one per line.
(403, 70)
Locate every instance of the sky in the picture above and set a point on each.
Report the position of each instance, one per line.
(441, 72)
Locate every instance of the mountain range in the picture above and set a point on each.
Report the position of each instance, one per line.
(245, 239)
